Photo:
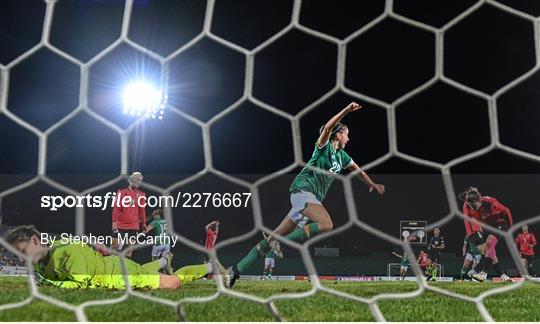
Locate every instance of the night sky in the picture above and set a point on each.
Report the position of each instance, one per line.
(485, 51)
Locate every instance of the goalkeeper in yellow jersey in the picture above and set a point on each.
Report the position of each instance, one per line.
(80, 266)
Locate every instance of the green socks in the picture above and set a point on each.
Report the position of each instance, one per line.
(263, 246)
(303, 233)
(260, 249)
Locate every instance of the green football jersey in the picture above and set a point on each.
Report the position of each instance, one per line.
(471, 247)
(404, 261)
(318, 183)
(160, 231)
(271, 254)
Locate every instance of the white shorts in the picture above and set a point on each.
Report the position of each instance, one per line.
(269, 263)
(299, 202)
(158, 250)
(474, 258)
(404, 268)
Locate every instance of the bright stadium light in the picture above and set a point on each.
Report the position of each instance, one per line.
(143, 99)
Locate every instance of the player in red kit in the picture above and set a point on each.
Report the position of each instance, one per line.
(129, 214)
(526, 242)
(212, 231)
(489, 211)
(423, 260)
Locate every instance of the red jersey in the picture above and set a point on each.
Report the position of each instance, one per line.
(490, 212)
(133, 216)
(211, 237)
(422, 259)
(526, 243)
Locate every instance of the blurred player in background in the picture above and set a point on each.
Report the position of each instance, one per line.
(309, 188)
(129, 220)
(270, 258)
(212, 231)
(161, 245)
(423, 261)
(80, 266)
(471, 252)
(403, 264)
(489, 211)
(526, 242)
(436, 246)
(426, 265)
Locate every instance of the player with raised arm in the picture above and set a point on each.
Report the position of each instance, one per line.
(526, 242)
(403, 264)
(308, 216)
(270, 258)
(436, 246)
(161, 245)
(471, 252)
(80, 266)
(212, 231)
(129, 213)
(489, 211)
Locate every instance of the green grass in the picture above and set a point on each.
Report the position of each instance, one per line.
(517, 305)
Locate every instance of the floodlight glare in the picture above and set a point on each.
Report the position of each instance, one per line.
(143, 99)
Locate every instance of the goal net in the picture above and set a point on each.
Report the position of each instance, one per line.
(202, 123)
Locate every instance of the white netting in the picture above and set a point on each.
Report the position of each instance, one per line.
(79, 310)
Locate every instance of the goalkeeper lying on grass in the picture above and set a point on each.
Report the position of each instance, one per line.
(80, 266)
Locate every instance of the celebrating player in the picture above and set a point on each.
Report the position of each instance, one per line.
(526, 243)
(270, 258)
(128, 220)
(310, 187)
(436, 245)
(80, 266)
(487, 210)
(161, 243)
(403, 264)
(471, 251)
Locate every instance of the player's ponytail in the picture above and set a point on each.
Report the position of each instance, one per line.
(340, 127)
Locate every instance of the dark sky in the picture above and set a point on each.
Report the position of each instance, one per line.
(485, 51)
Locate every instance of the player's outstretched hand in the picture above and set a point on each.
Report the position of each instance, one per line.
(353, 106)
(40, 280)
(378, 187)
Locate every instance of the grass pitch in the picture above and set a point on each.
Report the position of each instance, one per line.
(517, 305)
